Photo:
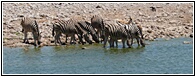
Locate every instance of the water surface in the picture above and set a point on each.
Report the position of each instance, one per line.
(160, 57)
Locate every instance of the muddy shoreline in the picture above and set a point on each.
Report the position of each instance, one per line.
(170, 20)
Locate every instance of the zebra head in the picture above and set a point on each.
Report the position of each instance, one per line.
(22, 21)
(95, 38)
(39, 38)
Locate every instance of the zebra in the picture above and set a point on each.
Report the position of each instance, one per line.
(115, 32)
(134, 31)
(66, 27)
(87, 29)
(81, 28)
(97, 23)
(56, 33)
(82, 33)
(29, 25)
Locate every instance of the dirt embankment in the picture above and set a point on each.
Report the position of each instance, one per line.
(168, 20)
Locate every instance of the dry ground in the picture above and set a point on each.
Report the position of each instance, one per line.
(170, 20)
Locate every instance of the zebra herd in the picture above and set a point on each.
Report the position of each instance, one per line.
(100, 30)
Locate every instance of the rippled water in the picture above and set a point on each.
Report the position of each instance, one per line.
(160, 57)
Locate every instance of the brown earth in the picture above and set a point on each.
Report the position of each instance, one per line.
(170, 20)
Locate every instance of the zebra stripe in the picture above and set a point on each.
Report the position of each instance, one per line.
(115, 32)
(88, 30)
(66, 27)
(82, 33)
(29, 25)
(56, 32)
(134, 31)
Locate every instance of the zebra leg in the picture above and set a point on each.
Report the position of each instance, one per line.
(66, 38)
(39, 42)
(25, 38)
(138, 41)
(55, 39)
(35, 37)
(35, 42)
(116, 41)
(142, 42)
(39, 39)
(87, 39)
(128, 41)
(123, 42)
(25, 35)
(111, 42)
(80, 37)
(58, 41)
(105, 41)
(128, 44)
(101, 36)
(131, 42)
(58, 38)
(98, 35)
(72, 39)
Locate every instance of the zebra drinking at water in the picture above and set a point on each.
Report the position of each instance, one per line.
(97, 23)
(87, 29)
(66, 27)
(134, 31)
(29, 25)
(82, 33)
(72, 27)
(115, 32)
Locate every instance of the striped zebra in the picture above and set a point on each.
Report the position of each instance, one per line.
(115, 32)
(82, 33)
(87, 29)
(56, 32)
(134, 31)
(29, 25)
(66, 27)
(97, 23)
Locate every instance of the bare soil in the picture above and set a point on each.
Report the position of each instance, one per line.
(170, 20)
